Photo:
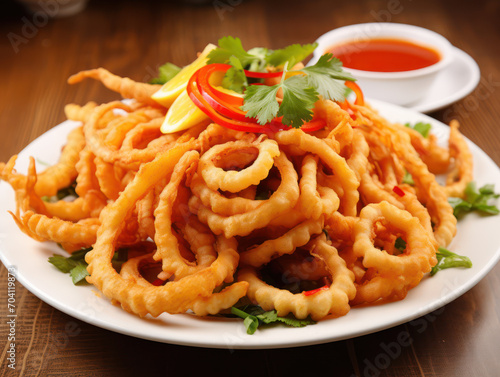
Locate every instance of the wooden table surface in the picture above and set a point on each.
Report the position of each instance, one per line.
(132, 38)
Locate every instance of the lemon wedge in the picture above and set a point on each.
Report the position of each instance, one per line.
(182, 114)
(168, 93)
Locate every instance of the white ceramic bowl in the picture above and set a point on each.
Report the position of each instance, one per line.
(401, 88)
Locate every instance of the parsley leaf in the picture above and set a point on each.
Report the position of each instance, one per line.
(300, 91)
(475, 200)
(327, 77)
(230, 46)
(447, 259)
(260, 102)
(235, 78)
(292, 54)
(408, 179)
(253, 316)
(166, 72)
(298, 101)
(63, 264)
(260, 62)
(78, 273)
(257, 58)
(75, 265)
(421, 127)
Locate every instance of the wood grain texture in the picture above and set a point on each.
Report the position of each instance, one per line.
(132, 38)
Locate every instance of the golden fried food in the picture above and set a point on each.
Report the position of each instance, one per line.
(301, 222)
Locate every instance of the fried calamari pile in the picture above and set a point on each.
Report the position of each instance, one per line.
(303, 223)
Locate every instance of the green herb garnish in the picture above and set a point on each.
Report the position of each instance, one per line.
(75, 265)
(475, 200)
(166, 72)
(300, 91)
(254, 316)
(447, 259)
(408, 179)
(296, 107)
(421, 127)
(235, 78)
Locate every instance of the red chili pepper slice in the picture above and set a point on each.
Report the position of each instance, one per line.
(228, 106)
(225, 110)
(262, 75)
(313, 291)
(360, 98)
(158, 282)
(197, 98)
(398, 191)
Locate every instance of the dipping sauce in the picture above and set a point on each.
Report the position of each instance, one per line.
(384, 55)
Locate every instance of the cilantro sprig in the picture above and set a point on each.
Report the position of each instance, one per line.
(258, 58)
(300, 91)
(254, 316)
(475, 200)
(75, 265)
(296, 107)
(327, 77)
(447, 259)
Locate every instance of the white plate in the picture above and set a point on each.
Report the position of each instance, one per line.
(455, 82)
(477, 237)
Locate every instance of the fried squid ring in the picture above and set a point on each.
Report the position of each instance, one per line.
(167, 244)
(105, 138)
(432, 195)
(175, 296)
(402, 272)
(461, 175)
(335, 162)
(219, 203)
(331, 301)
(435, 157)
(217, 178)
(315, 200)
(428, 190)
(285, 244)
(202, 306)
(284, 198)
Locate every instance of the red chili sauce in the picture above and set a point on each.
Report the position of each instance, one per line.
(384, 55)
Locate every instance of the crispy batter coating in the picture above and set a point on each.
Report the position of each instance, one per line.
(234, 215)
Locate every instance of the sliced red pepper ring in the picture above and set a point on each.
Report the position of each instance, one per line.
(262, 75)
(360, 98)
(225, 110)
(201, 102)
(227, 105)
(313, 291)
